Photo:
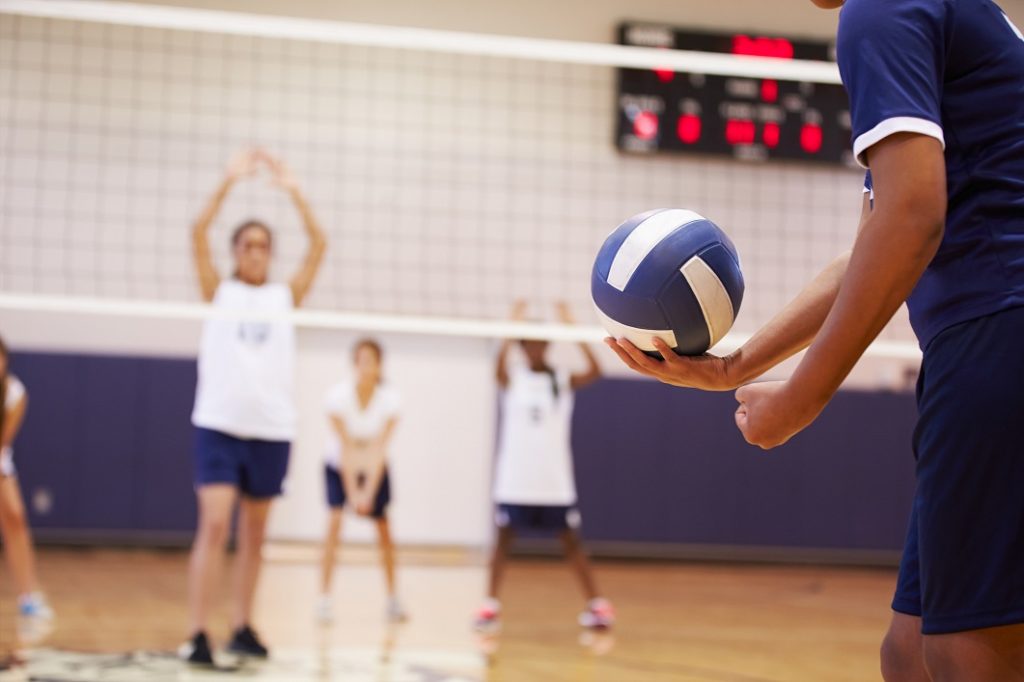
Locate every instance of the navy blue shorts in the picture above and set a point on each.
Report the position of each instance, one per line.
(963, 563)
(336, 495)
(537, 517)
(256, 467)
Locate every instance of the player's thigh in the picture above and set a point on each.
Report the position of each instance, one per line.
(12, 507)
(987, 654)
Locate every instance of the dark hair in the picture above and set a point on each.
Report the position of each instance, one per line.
(3, 387)
(259, 224)
(547, 369)
(372, 344)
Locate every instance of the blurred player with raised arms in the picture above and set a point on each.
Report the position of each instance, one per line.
(534, 486)
(244, 414)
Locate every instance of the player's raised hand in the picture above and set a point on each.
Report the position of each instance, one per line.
(771, 412)
(706, 372)
(243, 164)
(280, 173)
(519, 310)
(565, 315)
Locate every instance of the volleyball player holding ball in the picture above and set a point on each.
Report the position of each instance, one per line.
(937, 105)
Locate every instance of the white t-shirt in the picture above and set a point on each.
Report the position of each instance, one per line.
(534, 455)
(15, 392)
(246, 366)
(362, 424)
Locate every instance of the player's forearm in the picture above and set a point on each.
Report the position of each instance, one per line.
(212, 208)
(309, 221)
(593, 367)
(792, 329)
(501, 370)
(891, 253)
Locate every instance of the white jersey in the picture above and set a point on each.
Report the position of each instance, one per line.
(362, 424)
(246, 366)
(534, 456)
(15, 392)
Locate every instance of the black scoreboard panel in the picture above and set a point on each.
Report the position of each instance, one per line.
(745, 118)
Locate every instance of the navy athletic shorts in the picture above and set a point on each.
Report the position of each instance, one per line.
(336, 495)
(537, 517)
(256, 467)
(963, 563)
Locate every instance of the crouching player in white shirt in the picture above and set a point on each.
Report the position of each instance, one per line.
(363, 413)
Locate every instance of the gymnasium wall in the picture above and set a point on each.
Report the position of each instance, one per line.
(68, 226)
(662, 472)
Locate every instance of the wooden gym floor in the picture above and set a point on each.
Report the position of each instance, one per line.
(681, 622)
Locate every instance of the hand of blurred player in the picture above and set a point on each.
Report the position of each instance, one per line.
(281, 174)
(706, 372)
(565, 315)
(243, 164)
(519, 311)
(771, 412)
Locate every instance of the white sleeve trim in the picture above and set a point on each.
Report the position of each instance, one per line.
(891, 126)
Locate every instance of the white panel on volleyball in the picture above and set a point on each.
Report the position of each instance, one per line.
(710, 293)
(641, 338)
(642, 240)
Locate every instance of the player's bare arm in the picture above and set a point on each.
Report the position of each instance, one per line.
(897, 242)
(788, 333)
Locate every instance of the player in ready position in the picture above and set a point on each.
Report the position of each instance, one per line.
(14, 528)
(363, 414)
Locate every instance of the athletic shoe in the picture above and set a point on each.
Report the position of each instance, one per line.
(245, 643)
(396, 614)
(196, 651)
(599, 615)
(488, 618)
(324, 610)
(34, 605)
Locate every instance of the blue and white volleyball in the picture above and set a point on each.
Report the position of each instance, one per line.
(668, 273)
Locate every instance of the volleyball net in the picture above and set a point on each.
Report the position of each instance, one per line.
(453, 173)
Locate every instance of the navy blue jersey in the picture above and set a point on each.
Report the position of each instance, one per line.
(953, 70)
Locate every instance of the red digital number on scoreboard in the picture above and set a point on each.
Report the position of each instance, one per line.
(778, 48)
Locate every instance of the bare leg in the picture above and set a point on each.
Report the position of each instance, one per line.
(330, 550)
(902, 652)
(387, 553)
(252, 529)
(989, 655)
(204, 572)
(579, 562)
(498, 560)
(17, 537)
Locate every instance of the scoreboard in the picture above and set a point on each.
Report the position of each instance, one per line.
(753, 119)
